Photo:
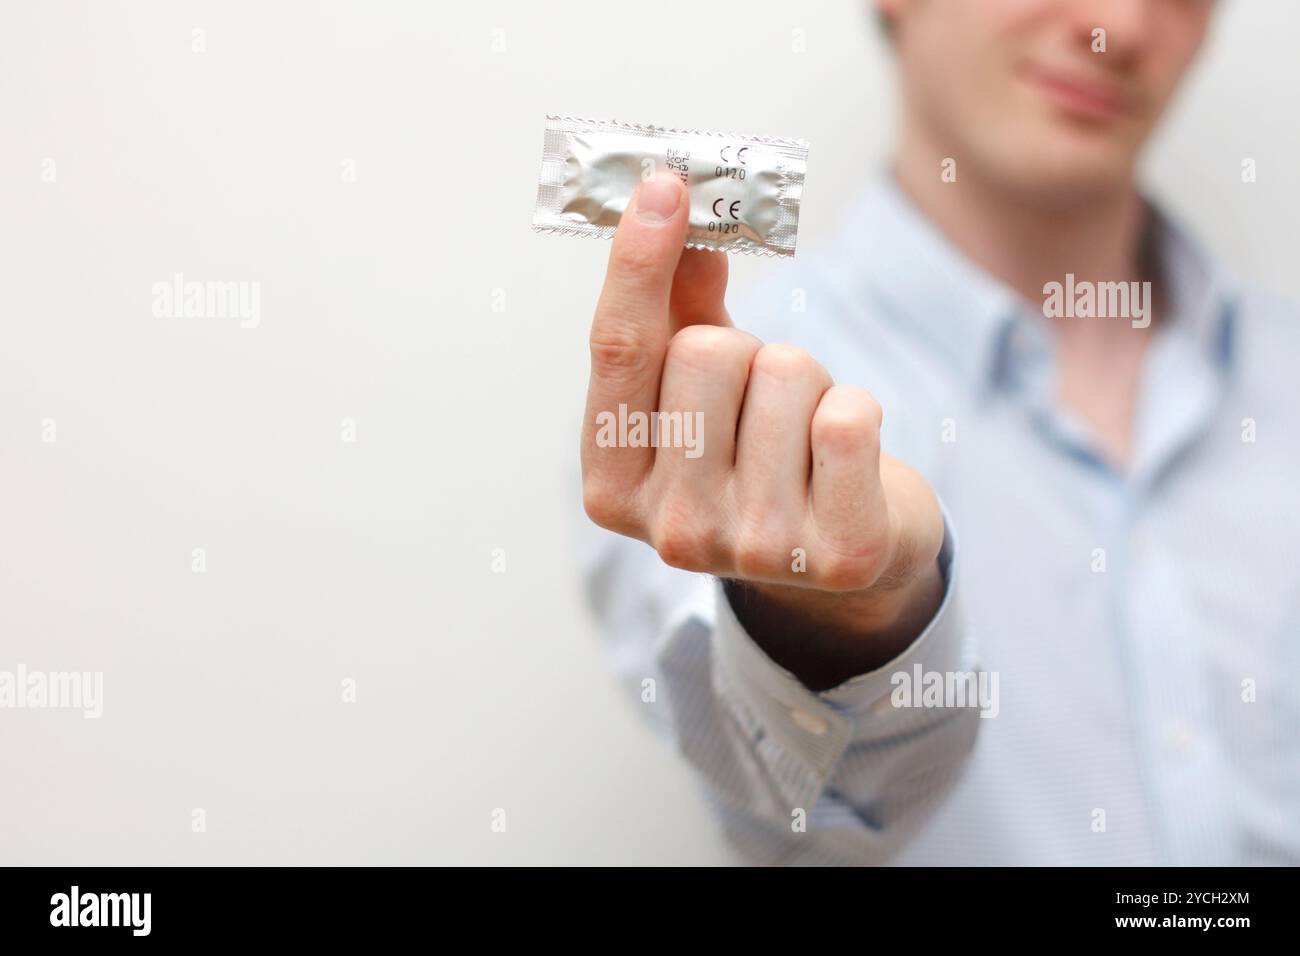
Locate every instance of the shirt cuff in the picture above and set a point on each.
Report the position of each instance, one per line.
(815, 728)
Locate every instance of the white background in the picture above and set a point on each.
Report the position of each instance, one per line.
(372, 560)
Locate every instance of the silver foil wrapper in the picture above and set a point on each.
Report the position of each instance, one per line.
(744, 190)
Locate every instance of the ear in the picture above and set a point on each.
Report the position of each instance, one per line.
(888, 9)
(887, 12)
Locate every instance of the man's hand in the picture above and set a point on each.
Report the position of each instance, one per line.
(829, 547)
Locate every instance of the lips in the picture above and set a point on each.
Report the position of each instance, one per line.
(1085, 97)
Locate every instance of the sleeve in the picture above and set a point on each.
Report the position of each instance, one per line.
(844, 776)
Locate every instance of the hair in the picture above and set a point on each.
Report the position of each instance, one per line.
(885, 24)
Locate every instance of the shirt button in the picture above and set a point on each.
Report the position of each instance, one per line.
(812, 723)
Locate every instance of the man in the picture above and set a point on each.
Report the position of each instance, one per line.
(1089, 652)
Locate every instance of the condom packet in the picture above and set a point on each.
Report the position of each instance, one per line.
(744, 190)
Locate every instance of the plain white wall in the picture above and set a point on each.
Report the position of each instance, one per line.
(372, 560)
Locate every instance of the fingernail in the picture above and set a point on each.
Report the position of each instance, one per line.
(656, 200)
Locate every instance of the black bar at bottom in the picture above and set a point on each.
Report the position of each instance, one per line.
(665, 906)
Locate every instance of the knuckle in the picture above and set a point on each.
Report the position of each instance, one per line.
(636, 262)
(842, 572)
(705, 346)
(787, 363)
(847, 425)
(759, 555)
(612, 349)
(844, 431)
(604, 504)
(697, 343)
(680, 541)
(872, 409)
(840, 568)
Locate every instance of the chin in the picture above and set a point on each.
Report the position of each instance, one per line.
(1064, 168)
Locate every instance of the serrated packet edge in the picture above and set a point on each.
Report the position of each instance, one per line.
(793, 154)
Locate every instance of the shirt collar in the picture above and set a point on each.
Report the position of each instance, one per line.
(963, 313)
(1202, 294)
(971, 319)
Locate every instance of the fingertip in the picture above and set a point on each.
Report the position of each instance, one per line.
(650, 236)
(659, 198)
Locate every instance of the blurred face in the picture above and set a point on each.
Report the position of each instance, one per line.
(1053, 96)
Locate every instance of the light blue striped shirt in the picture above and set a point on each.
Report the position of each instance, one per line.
(1143, 626)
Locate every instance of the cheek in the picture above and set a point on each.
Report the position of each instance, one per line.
(988, 89)
(1182, 29)
(956, 64)
(1167, 65)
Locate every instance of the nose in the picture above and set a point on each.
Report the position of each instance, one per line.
(1126, 24)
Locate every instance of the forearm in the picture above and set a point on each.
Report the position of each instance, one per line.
(767, 745)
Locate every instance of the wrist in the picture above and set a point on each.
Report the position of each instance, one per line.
(824, 638)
